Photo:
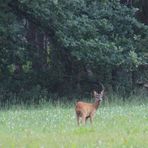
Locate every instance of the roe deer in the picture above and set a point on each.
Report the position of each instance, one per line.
(87, 110)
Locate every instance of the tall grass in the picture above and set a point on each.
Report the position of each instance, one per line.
(116, 124)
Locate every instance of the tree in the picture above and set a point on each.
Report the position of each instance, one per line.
(74, 43)
(11, 42)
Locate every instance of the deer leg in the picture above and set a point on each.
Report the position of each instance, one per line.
(87, 118)
(91, 118)
(83, 120)
(78, 120)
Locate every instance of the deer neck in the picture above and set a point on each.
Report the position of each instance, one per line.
(96, 104)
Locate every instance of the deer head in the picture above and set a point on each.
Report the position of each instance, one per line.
(98, 96)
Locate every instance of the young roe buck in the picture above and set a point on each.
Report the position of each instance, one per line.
(87, 110)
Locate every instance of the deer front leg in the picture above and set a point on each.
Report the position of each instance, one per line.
(91, 118)
(78, 120)
(87, 118)
(83, 119)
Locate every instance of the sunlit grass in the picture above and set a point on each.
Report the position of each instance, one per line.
(124, 126)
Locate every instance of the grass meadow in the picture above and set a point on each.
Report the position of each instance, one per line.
(116, 125)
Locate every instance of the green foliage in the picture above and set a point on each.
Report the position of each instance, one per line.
(100, 33)
(53, 44)
(11, 41)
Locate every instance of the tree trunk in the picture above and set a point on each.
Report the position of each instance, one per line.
(145, 8)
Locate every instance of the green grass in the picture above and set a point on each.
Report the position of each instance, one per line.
(115, 126)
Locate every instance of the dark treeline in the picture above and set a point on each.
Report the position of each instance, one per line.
(56, 48)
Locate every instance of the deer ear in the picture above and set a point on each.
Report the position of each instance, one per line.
(102, 92)
(95, 93)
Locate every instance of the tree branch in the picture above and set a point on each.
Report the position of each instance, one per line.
(20, 9)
